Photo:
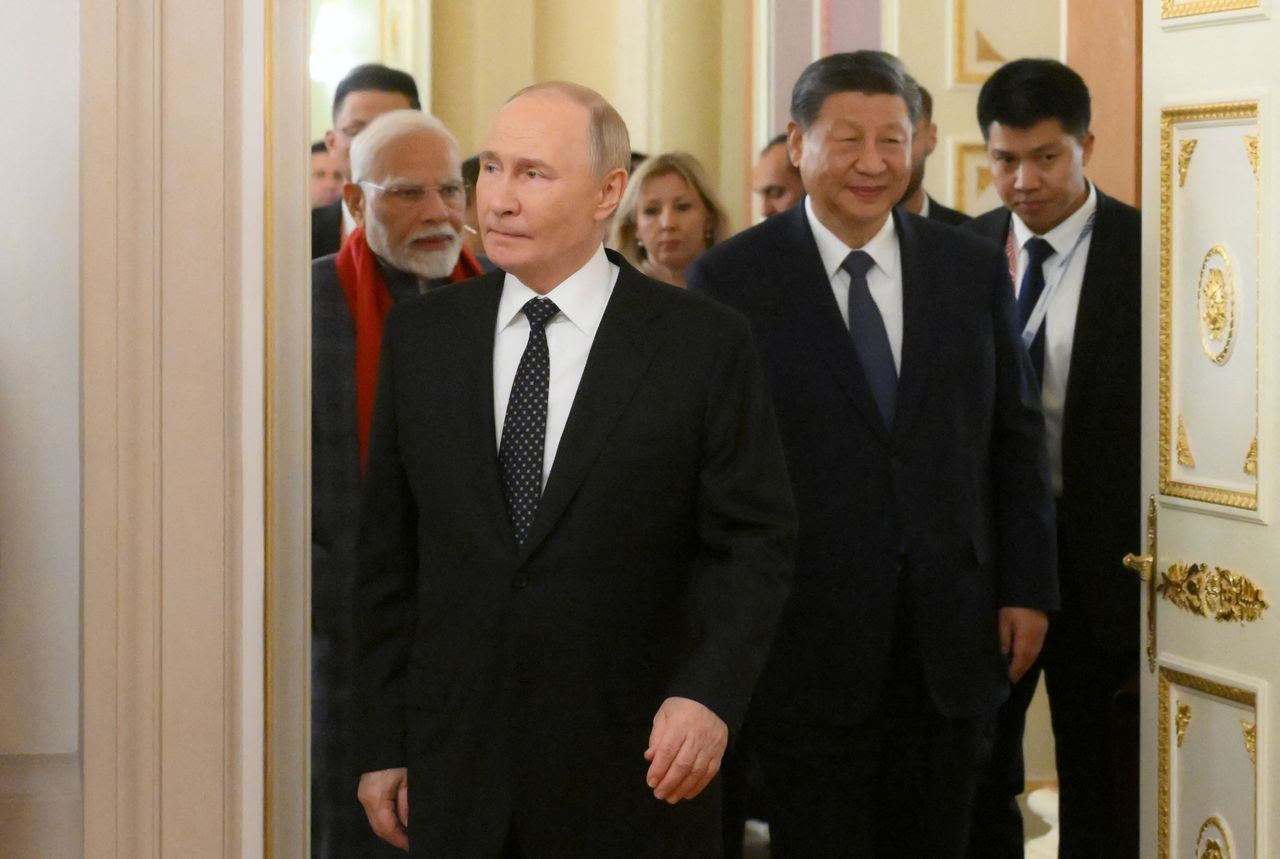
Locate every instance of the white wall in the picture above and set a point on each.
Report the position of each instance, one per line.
(40, 380)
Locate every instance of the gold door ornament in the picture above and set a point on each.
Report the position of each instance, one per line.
(1251, 149)
(1251, 459)
(1185, 152)
(1186, 8)
(1181, 721)
(1216, 302)
(1212, 841)
(1250, 730)
(1212, 592)
(1185, 456)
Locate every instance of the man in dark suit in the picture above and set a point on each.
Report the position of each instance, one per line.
(915, 446)
(924, 139)
(1075, 255)
(367, 92)
(556, 673)
(407, 199)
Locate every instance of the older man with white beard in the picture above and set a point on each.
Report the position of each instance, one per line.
(408, 197)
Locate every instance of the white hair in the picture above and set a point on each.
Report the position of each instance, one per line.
(387, 129)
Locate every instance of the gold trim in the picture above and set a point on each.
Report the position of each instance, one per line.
(1181, 721)
(1250, 731)
(963, 150)
(1251, 150)
(1251, 459)
(1185, 151)
(1185, 456)
(1213, 848)
(1216, 301)
(1169, 117)
(1174, 9)
(1213, 592)
(1165, 681)
(983, 49)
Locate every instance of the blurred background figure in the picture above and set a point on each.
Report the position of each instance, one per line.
(668, 216)
(924, 139)
(326, 176)
(775, 180)
(470, 221)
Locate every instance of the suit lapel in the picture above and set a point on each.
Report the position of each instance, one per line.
(479, 438)
(616, 364)
(917, 323)
(1095, 316)
(821, 323)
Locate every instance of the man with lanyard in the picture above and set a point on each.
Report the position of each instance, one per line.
(408, 199)
(1074, 257)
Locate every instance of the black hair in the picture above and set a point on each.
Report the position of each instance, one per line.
(869, 72)
(375, 76)
(1021, 93)
(780, 139)
(318, 147)
(470, 175)
(926, 104)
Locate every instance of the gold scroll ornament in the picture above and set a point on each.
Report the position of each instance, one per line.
(1185, 457)
(1250, 730)
(1212, 592)
(1181, 721)
(1216, 301)
(1251, 459)
(1212, 841)
(1184, 159)
(1251, 149)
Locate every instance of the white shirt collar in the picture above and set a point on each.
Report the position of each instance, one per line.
(581, 297)
(1064, 236)
(882, 247)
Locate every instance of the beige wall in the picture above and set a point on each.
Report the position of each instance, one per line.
(1102, 45)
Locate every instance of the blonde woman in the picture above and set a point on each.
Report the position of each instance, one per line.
(668, 216)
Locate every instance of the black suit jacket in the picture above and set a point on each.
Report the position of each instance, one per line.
(939, 212)
(1100, 508)
(958, 486)
(520, 683)
(326, 229)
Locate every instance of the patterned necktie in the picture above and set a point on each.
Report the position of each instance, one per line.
(1038, 250)
(870, 340)
(524, 430)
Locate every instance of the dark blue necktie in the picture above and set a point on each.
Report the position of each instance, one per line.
(524, 429)
(870, 340)
(1038, 250)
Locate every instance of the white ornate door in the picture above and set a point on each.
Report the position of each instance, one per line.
(1211, 430)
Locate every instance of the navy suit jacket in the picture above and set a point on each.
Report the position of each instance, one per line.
(1101, 504)
(958, 487)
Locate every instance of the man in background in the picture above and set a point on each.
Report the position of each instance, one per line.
(924, 139)
(775, 180)
(367, 92)
(407, 199)
(1075, 256)
(326, 177)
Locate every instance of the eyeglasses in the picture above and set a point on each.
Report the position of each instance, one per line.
(405, 196)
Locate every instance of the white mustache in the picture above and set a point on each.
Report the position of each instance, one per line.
(440, 233)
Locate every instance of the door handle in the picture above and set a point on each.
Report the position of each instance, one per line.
(1144, 566)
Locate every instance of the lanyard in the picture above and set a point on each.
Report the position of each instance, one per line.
(1036, 319)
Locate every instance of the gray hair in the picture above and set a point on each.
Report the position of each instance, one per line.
(387, 129)
(608, 144)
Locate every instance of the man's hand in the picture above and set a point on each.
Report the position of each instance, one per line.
(685, 748)
(1022, 633)
(385, 797)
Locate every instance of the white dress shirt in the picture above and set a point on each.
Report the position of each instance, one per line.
(884, 279)
(1063, 279)
(582, 298)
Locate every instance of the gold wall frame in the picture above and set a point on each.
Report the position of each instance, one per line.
(1174, 9)
(1169, 119)
(1166, 737)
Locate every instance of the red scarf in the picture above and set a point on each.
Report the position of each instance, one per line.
(368, 299)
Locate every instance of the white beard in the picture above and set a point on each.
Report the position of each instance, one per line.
(427, 265)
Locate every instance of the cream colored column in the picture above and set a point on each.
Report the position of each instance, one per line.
(165, 445)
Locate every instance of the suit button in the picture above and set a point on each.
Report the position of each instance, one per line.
(521, 580)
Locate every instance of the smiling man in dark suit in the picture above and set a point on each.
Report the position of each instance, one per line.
(577, 531)
(915, 447)
(1075, 254)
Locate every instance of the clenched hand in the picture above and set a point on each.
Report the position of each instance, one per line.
(385, 797)
(685, 748)
(1022, 634)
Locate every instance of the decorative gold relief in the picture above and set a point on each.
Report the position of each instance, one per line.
(1185, 456)
(1170, 450)
(1213, 829)
(1216, 301)
(1251, 149)
(1184, 9)
(986, 52)
(1251, 459)
(1184, 159)
(1212, 841)
(972, 174)
(1250, 730)
(1181, 721)
(1212, 592)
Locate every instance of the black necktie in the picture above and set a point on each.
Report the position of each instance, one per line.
(1038, 250)
(870, 340)
(524, 430)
